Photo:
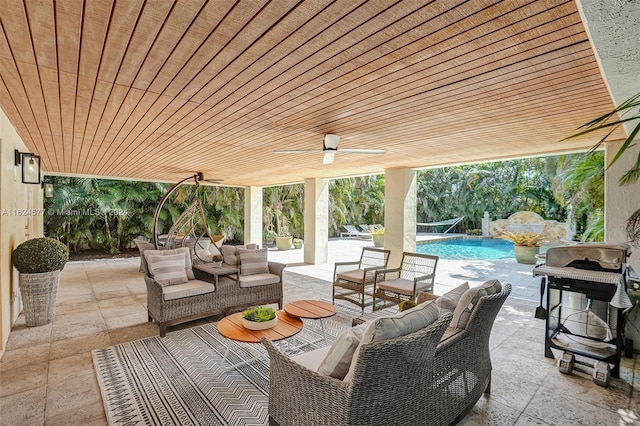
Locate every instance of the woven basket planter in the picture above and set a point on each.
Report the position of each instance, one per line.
(39, 293)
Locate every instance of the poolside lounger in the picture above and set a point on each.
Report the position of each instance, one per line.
(353, 232)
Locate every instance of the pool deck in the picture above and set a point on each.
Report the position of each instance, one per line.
(449, 274)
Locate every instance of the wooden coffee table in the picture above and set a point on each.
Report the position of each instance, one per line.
(231, 327)
(312, 309)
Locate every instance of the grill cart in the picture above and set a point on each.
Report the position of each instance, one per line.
(586, 301)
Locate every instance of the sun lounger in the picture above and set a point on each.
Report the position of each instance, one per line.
(352, 231)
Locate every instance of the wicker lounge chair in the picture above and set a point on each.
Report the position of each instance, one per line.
(416, 273)
(396, 382)
(351, 279)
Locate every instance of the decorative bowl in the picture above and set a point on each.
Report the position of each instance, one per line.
(252, 325)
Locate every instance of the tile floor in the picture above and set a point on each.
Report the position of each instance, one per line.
(47, 375)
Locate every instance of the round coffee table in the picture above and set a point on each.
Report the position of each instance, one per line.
(231, 327)
(312, 309)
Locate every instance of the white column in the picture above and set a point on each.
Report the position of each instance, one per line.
(253, 215)
(399, 212)
(316, 220)
(620, 201)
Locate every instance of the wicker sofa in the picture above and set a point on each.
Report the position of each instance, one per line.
(431, 376)
(202, 297)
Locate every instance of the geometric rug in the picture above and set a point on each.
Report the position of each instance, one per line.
(178, 379)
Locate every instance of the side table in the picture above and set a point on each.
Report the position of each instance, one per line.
(312, 309)
(217, 271)
(231, 327)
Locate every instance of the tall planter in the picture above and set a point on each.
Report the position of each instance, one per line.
(378, 240)
(39, 294)
(526, 254)
(284, 243)
(39, 262)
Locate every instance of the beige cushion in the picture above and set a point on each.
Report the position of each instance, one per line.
(190, 288)
(449, 301)
(253, 261)
(256, 280)
(400, 285)
(167, 270)
(338, 359)
(185, 250)
(389, 327)
(469, 300)
(312, 359)
(230, 255)
(356, 276)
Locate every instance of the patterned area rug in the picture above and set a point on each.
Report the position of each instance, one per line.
(179, 379)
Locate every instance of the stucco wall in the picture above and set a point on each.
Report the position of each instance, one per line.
(20, 219)
(620, 201)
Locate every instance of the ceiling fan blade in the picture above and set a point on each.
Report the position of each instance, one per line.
(294, 151)
(329, 157)
(363, 151)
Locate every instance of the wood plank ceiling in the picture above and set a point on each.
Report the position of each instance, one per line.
(161, 89)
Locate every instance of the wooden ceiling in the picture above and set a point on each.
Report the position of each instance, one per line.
(161, 89)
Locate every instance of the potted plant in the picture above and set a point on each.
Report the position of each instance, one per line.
(259, 318)
(525, 245)
(217, 260)
(378, 237)
(297, 243)
(284, 238)
(39, 262)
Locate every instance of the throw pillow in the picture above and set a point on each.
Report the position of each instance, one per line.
(185, 251)
(468, 302)
(449, 301)
(403, 323)
(389, 327)
(229, 254)
(168, 269)
(337, 361)
(253, 261)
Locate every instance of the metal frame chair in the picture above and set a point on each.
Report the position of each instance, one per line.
(416, 273)
(351, 279)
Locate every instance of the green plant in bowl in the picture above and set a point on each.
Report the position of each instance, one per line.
(528, 239)
(259, 314)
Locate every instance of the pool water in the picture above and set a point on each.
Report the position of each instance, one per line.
(469, 249)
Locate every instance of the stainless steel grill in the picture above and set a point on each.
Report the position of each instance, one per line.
(598, 272)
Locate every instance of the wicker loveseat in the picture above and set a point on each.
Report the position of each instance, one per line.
(201, 297)
(432, 376)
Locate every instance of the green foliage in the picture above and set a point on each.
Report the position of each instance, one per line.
(216, 258)
(527, 239)
(474, 231)
(259, 314)
(40, 255)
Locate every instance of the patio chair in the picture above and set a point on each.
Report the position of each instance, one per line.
(352, 231)
(351, 279)
(416, 273)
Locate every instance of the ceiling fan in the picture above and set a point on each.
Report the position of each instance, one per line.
(330, 147)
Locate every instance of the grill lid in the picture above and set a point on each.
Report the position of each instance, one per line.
(607, 256)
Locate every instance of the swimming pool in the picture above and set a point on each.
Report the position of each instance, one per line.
(469, 249)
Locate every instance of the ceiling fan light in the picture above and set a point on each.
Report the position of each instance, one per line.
(331, 141)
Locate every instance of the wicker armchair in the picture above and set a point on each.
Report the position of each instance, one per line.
(416, 273)
(396, 382)
(350, 279)
(384, 389)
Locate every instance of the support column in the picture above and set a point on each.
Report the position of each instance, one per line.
(316, 220)
(253, 215)
(620, 201)
(400, 212)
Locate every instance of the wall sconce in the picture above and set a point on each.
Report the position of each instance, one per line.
(30, 166)
(48, 189)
